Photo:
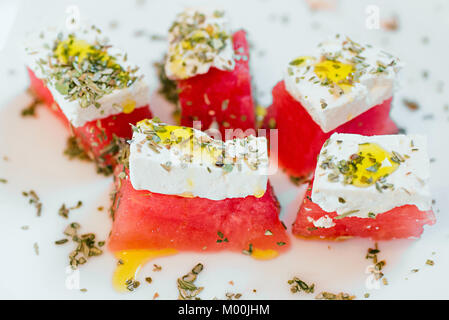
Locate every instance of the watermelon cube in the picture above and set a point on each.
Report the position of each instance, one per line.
(399, 223)
(152, 221)
(220, 97)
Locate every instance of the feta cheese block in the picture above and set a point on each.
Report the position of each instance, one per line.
(362, 176)
(198, 40)
(341, 80)
(176, 160)
(88, 78)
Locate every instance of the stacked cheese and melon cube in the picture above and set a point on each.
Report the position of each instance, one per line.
(185, 191)
(343, 87)
(90, 85)
(210, 67)
(375, 187)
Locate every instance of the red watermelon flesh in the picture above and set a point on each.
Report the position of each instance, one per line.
(152, 221)
(221, 96)
(94, 136)
(399, 223)
(300, 138)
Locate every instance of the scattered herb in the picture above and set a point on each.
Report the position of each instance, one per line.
(74, 150)
(86, 245)
(221, 237)
(132, 284)
(297, 285)
(231, 296)
(118, 149)
(62, 241)
(411, 105)
(299, 180)
(64, 211)
(30, 110)
(376, 269)
(36, 248)
(34, 200)
(186, 284)
(283, 225)
(156, 268)
(297, 62)
(332, 296)
(249, 251)
(168, 88)
(323, 104)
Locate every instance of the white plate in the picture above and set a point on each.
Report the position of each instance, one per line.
(279, 30)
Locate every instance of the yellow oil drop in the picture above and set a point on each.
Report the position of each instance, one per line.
(131, 261)
(335, 72)
(259, 193)
(129, 106)
(177, 136)
(268, 254)
(73, 47)
(261, 111)
(376, 163)
(168, 134)
(177, 64)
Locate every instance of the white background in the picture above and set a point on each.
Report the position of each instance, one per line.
(279, 31)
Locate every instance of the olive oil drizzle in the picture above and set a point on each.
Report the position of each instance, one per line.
(371, 165)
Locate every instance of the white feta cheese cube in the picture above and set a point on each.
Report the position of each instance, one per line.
(341, 80)
(184, 161)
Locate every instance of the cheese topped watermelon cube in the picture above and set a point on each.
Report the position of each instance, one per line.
(188, 192)
(375, 187)
(90, 85)
(210, 67)
(343, 87)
